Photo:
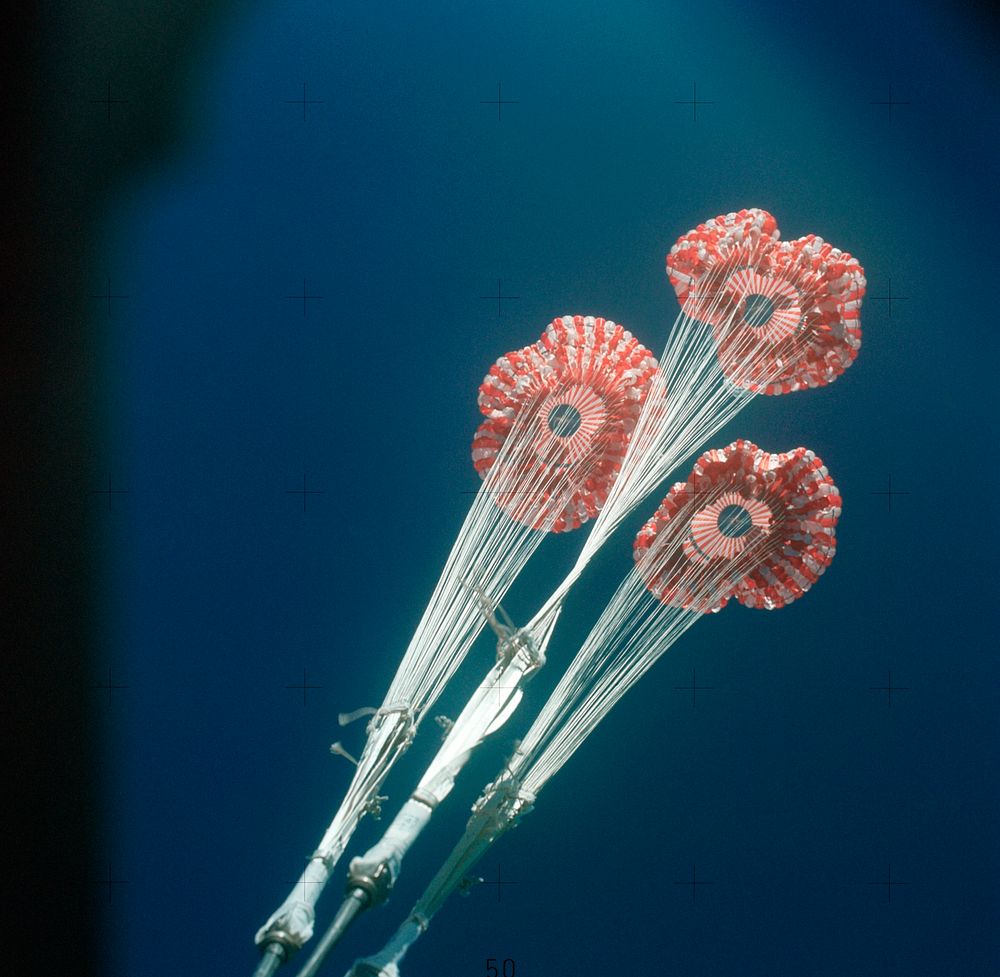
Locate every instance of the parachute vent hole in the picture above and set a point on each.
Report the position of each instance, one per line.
(757, 310)
(734, 521)
(564, 420)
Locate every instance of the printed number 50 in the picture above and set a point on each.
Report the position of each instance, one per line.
(506, 968)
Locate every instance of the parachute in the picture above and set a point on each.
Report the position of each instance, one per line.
(580, 427)
(585, 380)
(778, 510)
(671, 585)
(786, 314)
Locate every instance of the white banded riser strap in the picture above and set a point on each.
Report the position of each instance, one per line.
(293, 920)
(396, 842)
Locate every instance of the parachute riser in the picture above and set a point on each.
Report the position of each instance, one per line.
(390, 732)
(371, 876)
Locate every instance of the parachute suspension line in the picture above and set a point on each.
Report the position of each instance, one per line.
(651, 455)
(489, 553)
(632, 633)
(689, 399)
(390, 733)
(745, 521)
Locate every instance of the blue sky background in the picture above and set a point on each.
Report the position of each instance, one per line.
(401, 199)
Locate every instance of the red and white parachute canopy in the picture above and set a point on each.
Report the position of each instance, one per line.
(786, 314)
(748, 524)
(559, 417)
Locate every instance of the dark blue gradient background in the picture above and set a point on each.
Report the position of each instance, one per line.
(401, 199)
